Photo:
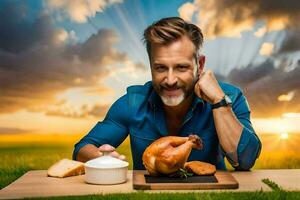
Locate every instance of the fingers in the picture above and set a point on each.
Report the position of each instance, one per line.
(106, 147)
(207, 86)
(122, 157)
(204, 97)
(197, 90)
(117, 155)
(109, 148)
(202, 73)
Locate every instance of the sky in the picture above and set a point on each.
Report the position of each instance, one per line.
(64, 62)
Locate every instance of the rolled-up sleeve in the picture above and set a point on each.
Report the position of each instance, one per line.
(112, 130)
(249, 145)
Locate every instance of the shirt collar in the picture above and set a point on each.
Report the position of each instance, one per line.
(154, 98)
(196, 101)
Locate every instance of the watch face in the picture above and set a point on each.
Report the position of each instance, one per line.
(228, 100)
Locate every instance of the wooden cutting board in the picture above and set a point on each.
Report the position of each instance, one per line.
(220, 180)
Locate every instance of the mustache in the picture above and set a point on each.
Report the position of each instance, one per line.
(170, 87)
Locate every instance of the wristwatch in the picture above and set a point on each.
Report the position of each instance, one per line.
(226, 101)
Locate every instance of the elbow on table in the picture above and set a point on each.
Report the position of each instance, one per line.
(247, 162)
(245, 166)
(248, 155)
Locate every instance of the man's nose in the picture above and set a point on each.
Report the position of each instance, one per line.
(171, 78)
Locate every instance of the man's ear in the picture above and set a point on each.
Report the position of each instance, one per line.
(201, 63)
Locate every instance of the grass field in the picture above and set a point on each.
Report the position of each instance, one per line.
(21, 153)
(275, 195)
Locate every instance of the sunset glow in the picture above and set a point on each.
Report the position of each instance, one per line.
(288, 123)
(79, 57)
(284, 136)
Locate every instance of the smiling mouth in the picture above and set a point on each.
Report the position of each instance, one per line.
(171, 91)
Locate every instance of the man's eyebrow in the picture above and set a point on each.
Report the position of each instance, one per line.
(184, 63)
(179, 63)
(158, 63)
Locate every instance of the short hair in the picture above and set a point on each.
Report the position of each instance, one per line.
(168, 30)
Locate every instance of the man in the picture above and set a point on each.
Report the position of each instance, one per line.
(182, 99)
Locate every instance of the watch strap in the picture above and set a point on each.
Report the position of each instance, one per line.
(219, 104)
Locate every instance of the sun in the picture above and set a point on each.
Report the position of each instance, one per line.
(284, 136)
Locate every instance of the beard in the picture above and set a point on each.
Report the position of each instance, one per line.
(172, 100)
(186, 90)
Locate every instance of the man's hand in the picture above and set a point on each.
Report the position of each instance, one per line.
(90, 151)
(208, 88)
(112, 150)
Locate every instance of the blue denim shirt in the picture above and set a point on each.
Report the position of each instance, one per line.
(140, 114)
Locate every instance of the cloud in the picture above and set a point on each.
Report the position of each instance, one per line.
(264, 84)
(9, 130)
(291, 42)
(96, 91)
(85, 111)
(260, 32)
(291, 115)
(80, 10)
(186, 11)
(98, 110)
(230, 18)
(18, 34)
(98, 49)
(130, 69)
(38, 62)
(286, 97)
(79, 102)
(266, 49)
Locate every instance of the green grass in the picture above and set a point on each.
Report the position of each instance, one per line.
(274, 186)
(282, 195)
(18, 157)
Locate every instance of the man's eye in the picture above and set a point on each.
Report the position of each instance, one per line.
(160, 68)
(182, 67)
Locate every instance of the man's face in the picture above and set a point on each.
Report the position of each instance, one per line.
(174, 70)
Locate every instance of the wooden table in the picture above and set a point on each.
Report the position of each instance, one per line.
(37, 184)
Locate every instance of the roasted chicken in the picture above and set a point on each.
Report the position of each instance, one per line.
(168, 154)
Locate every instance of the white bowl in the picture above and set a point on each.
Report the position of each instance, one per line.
(106, 170)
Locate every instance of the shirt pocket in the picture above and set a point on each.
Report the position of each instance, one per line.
(144, 135)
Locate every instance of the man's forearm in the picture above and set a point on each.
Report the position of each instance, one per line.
(87, 153)
(228, 128)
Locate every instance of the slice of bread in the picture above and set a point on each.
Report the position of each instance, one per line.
(65, 168)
